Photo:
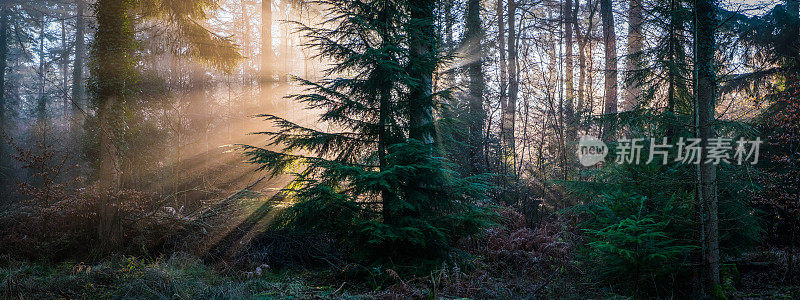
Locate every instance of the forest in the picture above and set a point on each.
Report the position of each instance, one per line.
(399, 149)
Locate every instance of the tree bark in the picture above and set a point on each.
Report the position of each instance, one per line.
(633, 63)
(3, 64)
(113, 71)
(473, 38)
(609, 40)
(569, 109)
(502, 65)
(705, 98)
(510, 111)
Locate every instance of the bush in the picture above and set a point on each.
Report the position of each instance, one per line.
(63, 223)
(640, 228)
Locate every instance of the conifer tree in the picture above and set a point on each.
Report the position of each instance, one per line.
(705, 100)
(375, 179)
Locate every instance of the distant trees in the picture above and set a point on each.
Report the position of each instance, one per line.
(114, 63)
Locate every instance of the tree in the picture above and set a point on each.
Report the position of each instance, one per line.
(421, 64)
(510, 108)
(4, 12)
(113, 73)
(633, 62)
(569, 109)
(267, 55)
(705, 99)
(375, 182)
(610, 42)
(78, 92)
(503, 80)
(473, 38)
(245, 41)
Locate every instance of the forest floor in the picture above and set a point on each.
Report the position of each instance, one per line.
(183, 276)
(176, 277)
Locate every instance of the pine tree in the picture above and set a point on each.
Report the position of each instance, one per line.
(376, 181)
(705, 100)
(4, 12)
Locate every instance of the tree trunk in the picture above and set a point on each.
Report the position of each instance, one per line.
(41, 103)
(113, 72)
(64, 69)
(3, 57)
(421, 39)
(583, 40)
(502, 65)
(705, 98)
(633, 88)
(793, 6)
(267, 55)
(671, 76)
(285, 52)
(609, 40)
(473, 38)
(569, 109)
(245, 43)
(510, 111)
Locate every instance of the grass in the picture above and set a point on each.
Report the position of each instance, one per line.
(177, 277)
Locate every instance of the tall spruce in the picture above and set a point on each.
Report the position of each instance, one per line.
(705, 99)
(421, 64)
(4, 12)
(375, 180)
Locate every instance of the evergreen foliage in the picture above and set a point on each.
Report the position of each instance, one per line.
(384, 193)
(640, 219)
